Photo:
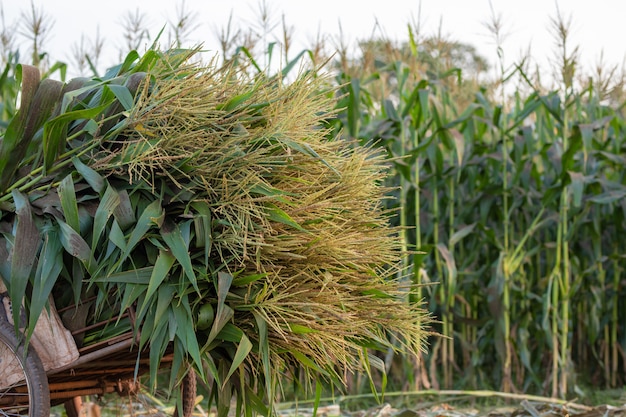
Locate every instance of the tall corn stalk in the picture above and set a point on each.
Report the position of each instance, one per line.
(510, 216)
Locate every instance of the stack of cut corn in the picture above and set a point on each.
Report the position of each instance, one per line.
(217, 204)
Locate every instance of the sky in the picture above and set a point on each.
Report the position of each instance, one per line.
(597, 27)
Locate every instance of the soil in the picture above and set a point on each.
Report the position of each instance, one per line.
(524, 408)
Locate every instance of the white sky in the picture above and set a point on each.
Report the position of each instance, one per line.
(596, 25)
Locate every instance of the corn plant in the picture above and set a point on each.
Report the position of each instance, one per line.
(215, 201)
(511, 203)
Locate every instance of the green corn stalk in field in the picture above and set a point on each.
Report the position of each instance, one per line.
(522, 197)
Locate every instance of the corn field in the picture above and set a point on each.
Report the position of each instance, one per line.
(511, 206)
(514, 208)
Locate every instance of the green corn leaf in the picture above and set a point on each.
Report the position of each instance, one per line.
(300, 329)
(179, 247)
(193, 348)
(55, 132)
(124, 214)
(77, 277)
(13, 143)
(148, 323)
(236, 101)
(390, 110)
(133, 276)
(530, 106)
(424, 95)
(34, 108)
(24, 253)
(49, 266)
(378, 364)
(450, 266)
(376, 293)
(222, 319)
(568, 159)
(319, 389)
(264, 352)
(229, 333)
(306, 361)
(257, 403)
(306, 149)
(76, 91)
(538, 221)
(123, 95)
(296, 61)
(67, 195)
(277, 215)
(161, 270)
(250, 57)
(209, 363)
(243, 349)
(5, 265)
(365, 359)
(577, 187)
(152, 215)
(461, 233)
(179, 357)
(609, 197)
(497, 114)
(268, 191)
(223, 312)
(132, 292)
(116, 236)
(129, 61)
(202, 225)
(524, 351)
(91, 127)
(159, 341)
(76, 246)
(108, 203)
(354, 108)
(92, 177)
(411, 105)
(247, 279)
(185, 330)
(164, 300)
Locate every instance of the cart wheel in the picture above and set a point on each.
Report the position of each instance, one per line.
(23, 383)
(188, 394)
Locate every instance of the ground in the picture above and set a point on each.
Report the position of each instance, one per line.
(422, 406)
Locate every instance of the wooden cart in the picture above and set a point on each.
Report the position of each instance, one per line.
(110, 366)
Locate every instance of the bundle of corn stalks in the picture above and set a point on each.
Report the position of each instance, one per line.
(216, 203)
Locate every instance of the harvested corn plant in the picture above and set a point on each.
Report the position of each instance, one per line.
(217, 204)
